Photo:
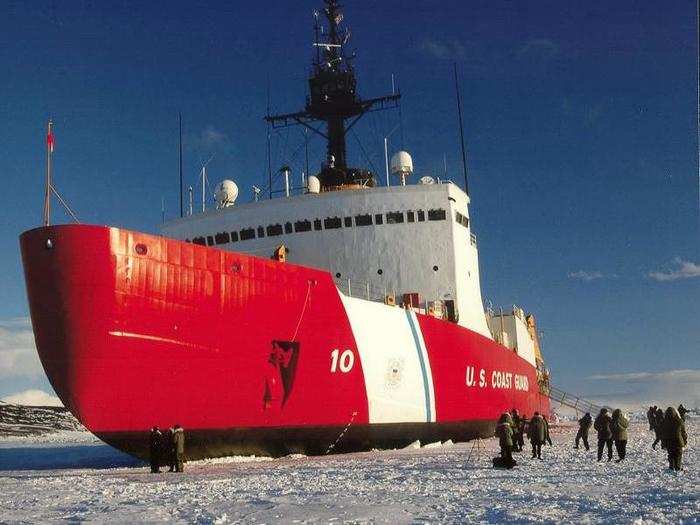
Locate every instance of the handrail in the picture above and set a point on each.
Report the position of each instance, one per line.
(571, 400)
(370, 292)
(361, 289)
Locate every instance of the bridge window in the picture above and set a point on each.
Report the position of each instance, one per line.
(302, 226)
(210, 240)
(421, 215)
(261, 232)
(274, 229)
(394, 217)
(348, 222)
(234, 236)
(330, 223)
(287, 227)
(437, 214)
(411, 216)
(199, 240)
(379, 218)
(317, 224)
(461, 219)
(363, 220)
(247, 234)
(222, 238)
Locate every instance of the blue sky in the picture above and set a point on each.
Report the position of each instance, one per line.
(580, 118)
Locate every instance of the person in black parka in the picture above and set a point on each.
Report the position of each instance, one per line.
(537, 432)
(658, 428)
(620, 423)
(584, 425)
(650, 417)
(522, 431)
(517, 438)
(603, 423)
(156, 449)
(675, 437)
(504, 432)
(170, 450)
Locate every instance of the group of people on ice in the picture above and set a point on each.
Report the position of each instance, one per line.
(611, 429)
(167, 450)
(511, 431)
(669, 430)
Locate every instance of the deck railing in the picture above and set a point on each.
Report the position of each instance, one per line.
(363, 290)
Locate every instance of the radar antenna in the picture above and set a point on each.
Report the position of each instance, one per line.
(333, 99)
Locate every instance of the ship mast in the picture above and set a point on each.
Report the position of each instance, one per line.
(333, 99)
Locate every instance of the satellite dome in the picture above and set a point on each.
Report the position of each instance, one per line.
(313, 184)
(401, 163)
(427, 179)
(226, 193)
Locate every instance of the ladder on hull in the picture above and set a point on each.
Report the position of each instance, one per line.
(569, 400)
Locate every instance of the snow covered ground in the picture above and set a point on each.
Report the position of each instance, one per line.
(86, 480)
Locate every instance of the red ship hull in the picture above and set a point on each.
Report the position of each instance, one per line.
(135, 330)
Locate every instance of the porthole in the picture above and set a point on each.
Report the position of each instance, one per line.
(141, 249)
(380, 271)
(337, 275)
(435, 268)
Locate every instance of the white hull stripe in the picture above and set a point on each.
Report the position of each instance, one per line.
(395, 364)
(424, 361)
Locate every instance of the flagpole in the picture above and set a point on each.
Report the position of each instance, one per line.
(47, 195)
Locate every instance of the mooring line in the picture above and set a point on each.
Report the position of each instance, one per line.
(331, 447)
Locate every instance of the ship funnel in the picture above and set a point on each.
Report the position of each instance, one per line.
(313, 184)
(402, 165)
(226, 193)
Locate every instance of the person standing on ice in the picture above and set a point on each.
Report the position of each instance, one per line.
(179, 448)
(620, 423)
(603, 425)
(156, 449)
(537, 432)
(682, 411)
(504, 432)
(170, 449)
(547, 437)
(522, 428)
(675, 437)
(584, 425)
(658, 426)
(515, 416)
(650, 416)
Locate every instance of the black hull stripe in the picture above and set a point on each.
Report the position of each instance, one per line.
(281, 441)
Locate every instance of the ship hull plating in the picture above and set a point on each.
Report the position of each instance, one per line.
(250, 355)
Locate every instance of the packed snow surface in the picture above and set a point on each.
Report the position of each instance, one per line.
(86, 480)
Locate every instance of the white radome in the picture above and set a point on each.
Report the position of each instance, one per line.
(401, 163)
(426, 179)
(226, 193)
(313, 184)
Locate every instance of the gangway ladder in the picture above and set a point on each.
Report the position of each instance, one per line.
(572, 401)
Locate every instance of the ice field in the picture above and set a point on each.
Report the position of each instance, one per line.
(74, 478)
